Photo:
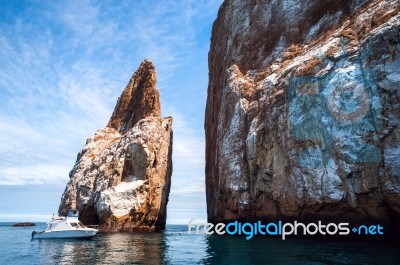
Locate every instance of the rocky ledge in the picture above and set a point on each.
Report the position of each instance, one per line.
(121, 179)
(24, 224)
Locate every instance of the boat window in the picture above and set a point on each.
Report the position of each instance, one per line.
(80, 224)
(74, 225)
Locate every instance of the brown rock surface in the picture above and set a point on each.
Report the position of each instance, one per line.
(139, 100)
(303, 111)
(121, 179)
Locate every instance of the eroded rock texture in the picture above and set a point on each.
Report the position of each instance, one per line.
(121, 179)
(303, 111)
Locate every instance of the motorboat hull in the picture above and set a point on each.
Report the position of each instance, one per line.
(66, 227)
(81, 233)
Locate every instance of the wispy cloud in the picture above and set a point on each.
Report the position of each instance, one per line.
(34, 174)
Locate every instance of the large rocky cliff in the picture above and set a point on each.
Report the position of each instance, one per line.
(303, 111)
(121, 179)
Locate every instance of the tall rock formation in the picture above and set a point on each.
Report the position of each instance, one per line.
(303, 111)
(122, 176)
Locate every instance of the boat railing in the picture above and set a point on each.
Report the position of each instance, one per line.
(92, 226)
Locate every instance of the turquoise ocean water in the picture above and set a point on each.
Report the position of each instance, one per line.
(175, 246)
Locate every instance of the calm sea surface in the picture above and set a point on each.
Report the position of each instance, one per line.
(175, 246)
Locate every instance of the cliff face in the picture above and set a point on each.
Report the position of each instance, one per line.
(302, 116)
(121, 179)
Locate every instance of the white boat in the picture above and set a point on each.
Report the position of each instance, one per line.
(66, 227)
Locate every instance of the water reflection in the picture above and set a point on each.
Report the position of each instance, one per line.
(175, 246)
(121, 248)
(181, 248)
(66, 251)
(262, 250)
(144, 248)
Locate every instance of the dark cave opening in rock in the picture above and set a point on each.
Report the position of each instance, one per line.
(135, 163)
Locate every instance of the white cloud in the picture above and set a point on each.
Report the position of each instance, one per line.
(189, 146)
(34, 174)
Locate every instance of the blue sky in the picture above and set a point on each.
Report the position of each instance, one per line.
(63, 65)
